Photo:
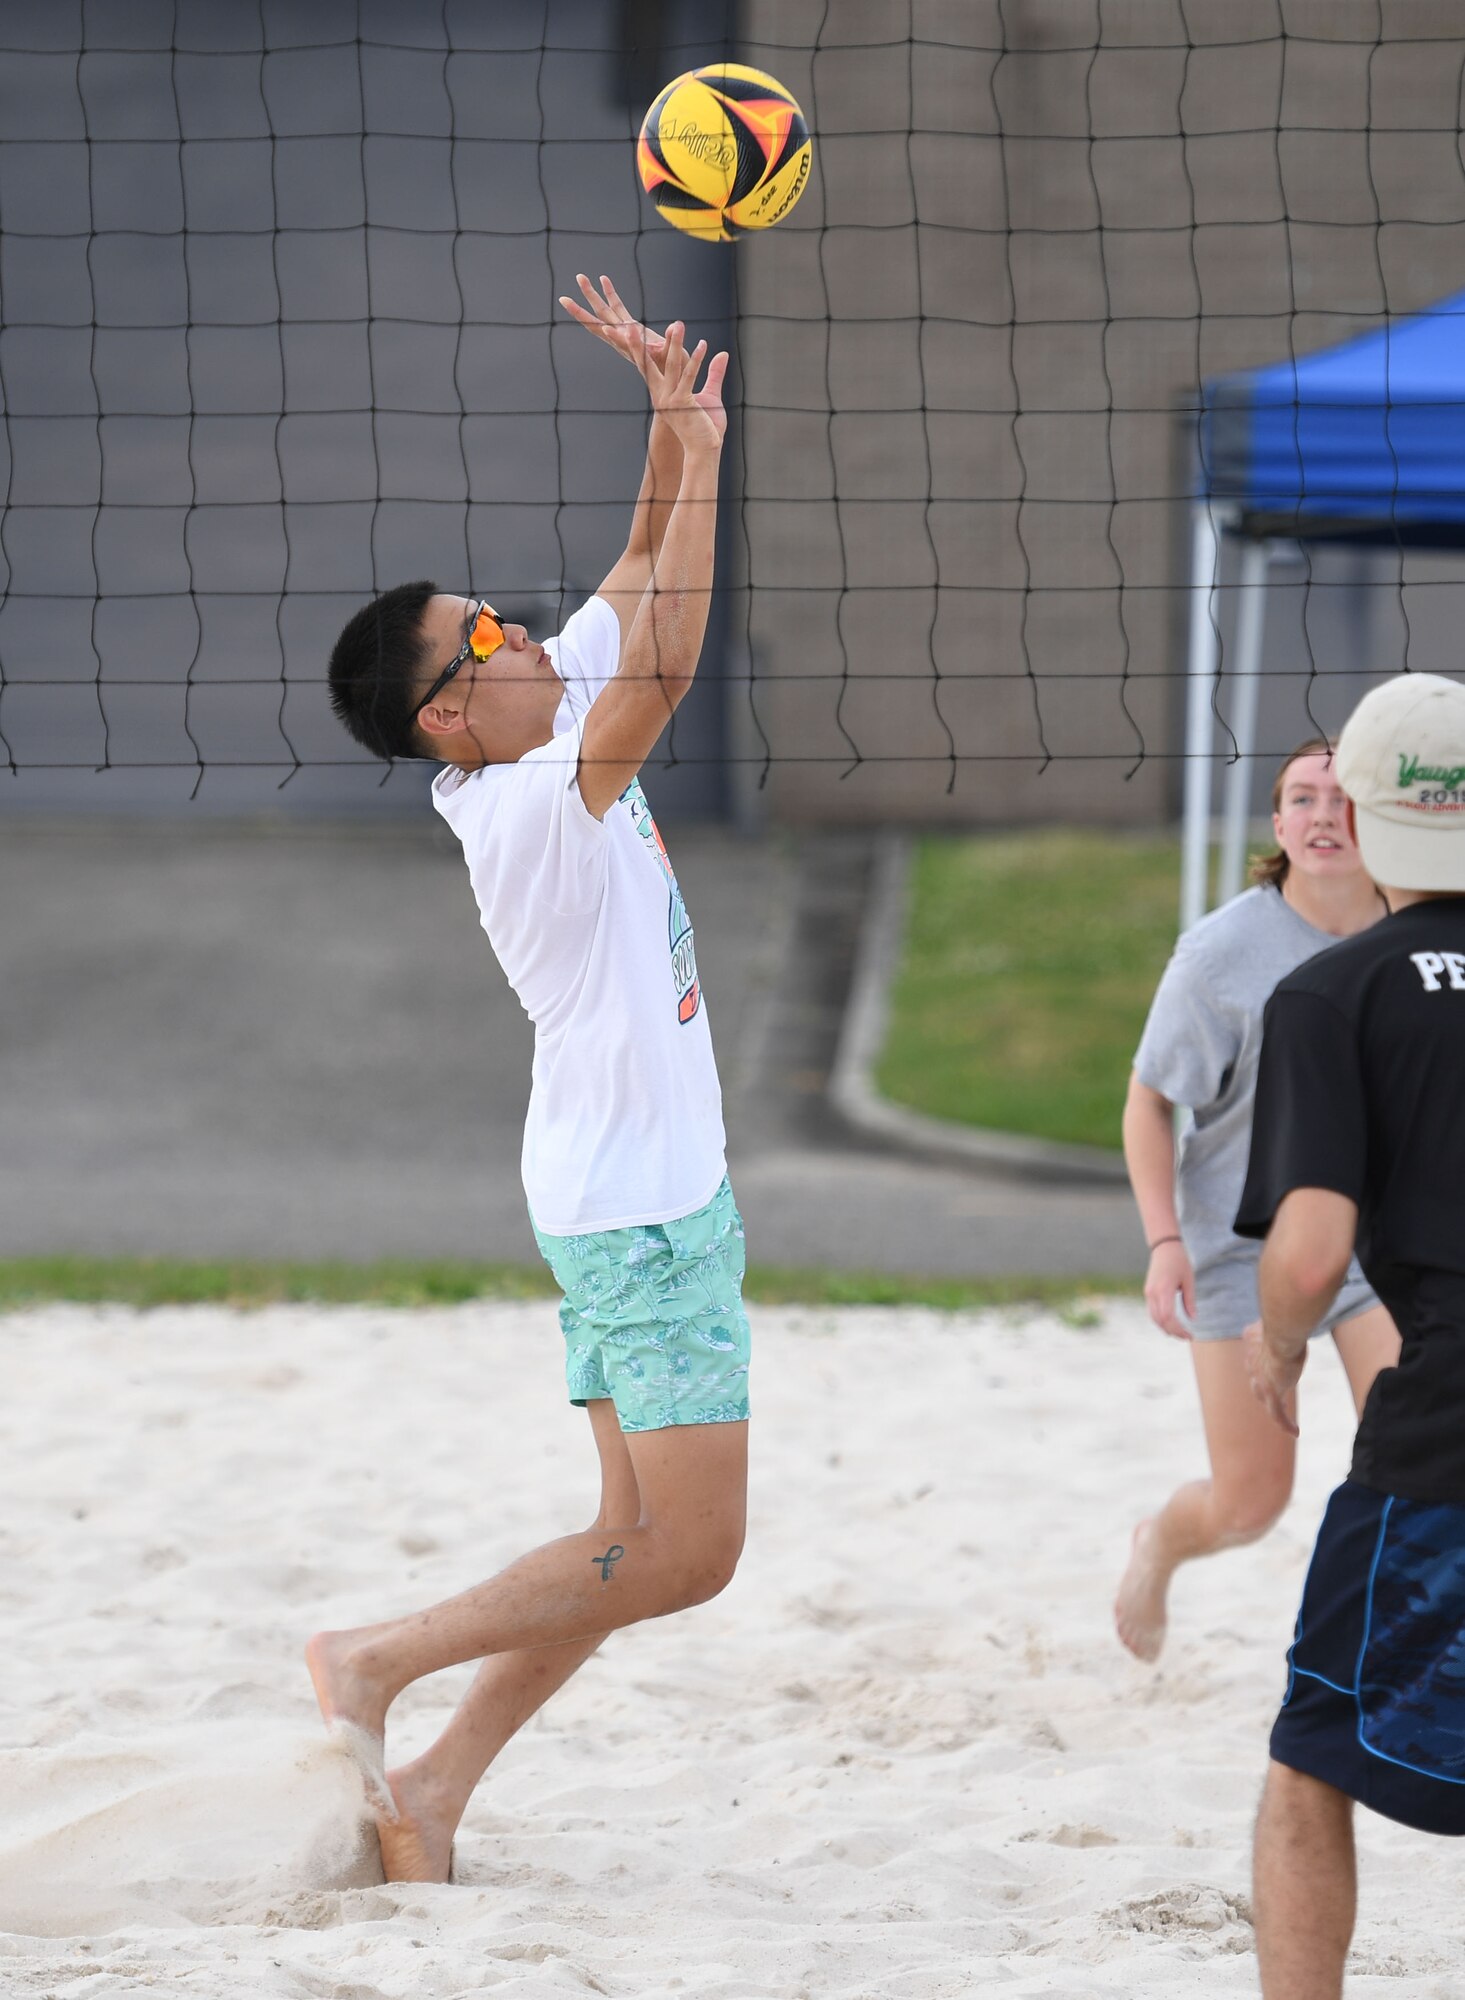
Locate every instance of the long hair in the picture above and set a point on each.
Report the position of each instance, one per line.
(1270, 870)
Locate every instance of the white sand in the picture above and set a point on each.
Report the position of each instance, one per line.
(901, 1759)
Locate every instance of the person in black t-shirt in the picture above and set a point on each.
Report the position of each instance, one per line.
(1359, 1132)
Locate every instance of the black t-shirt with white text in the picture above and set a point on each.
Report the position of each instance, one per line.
(1361, 1090)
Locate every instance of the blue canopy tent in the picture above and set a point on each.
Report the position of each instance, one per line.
(1362, 443)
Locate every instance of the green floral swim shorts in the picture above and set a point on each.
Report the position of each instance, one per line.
(653, 1317)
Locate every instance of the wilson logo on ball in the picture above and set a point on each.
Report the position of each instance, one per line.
(723, 150)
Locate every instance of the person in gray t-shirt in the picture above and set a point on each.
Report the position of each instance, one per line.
(1199, 1051)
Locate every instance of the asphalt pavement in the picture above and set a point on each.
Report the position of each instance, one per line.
(293, 1041)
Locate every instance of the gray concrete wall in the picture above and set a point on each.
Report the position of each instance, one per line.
(1034, 227)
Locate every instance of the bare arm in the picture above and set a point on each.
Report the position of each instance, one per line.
(663, 643)
(1305, 1260)
(1149, 1154)
(625, 585)
(609, 319)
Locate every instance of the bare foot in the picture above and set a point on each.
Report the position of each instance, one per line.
(345, 1687)
(1139, 1608)
(418, 1845)
(354, 1708)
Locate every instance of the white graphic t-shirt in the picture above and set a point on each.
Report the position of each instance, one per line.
(585, 917)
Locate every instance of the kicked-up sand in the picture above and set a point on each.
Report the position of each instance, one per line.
(902, 1758)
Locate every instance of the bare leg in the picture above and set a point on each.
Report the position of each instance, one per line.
(432, 1791)
(683, 1549)
(1251, 1480)
(1365, 1344)
(1305, 1886)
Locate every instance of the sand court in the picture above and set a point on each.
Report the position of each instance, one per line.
(902, 1756)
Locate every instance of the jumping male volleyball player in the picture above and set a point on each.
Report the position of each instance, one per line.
(1359, 1131)
(623, 1146)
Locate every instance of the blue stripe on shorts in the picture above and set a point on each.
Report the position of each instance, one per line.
(1375, 1704)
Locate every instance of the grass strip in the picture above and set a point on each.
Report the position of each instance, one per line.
(1029, 965)
(154, 1281)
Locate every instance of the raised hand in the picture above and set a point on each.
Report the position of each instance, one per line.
(695, 415)
(610, 320)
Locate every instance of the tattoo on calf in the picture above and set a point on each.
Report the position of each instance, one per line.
(608, 1561)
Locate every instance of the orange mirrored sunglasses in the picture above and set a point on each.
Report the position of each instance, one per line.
(485, 636)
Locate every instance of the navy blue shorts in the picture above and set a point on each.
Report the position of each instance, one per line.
(1375, 1702)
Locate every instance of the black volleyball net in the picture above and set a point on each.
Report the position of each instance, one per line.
(278, 329)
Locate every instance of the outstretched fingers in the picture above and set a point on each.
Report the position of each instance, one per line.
(709, 396)
(692, 367)
(608, 311)
(682, 364)
(663, 370)
(664, 362)
(599, 320)
(609, 319)
(612, 299)
(588, 321)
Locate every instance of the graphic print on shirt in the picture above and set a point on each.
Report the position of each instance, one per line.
(679, 924)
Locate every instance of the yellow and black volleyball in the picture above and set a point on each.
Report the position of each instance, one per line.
(723, 150)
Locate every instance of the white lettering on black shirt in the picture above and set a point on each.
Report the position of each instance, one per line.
(1431, 964)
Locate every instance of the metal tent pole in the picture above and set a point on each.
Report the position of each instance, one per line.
(1205, 569)
(1250, 627)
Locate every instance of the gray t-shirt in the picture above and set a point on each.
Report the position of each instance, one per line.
(1200, 1049)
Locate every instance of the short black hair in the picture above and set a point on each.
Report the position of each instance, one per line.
(374, 668)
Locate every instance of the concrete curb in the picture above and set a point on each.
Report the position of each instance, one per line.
(852, 1090)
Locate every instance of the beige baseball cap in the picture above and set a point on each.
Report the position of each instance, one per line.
(1401, 759)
